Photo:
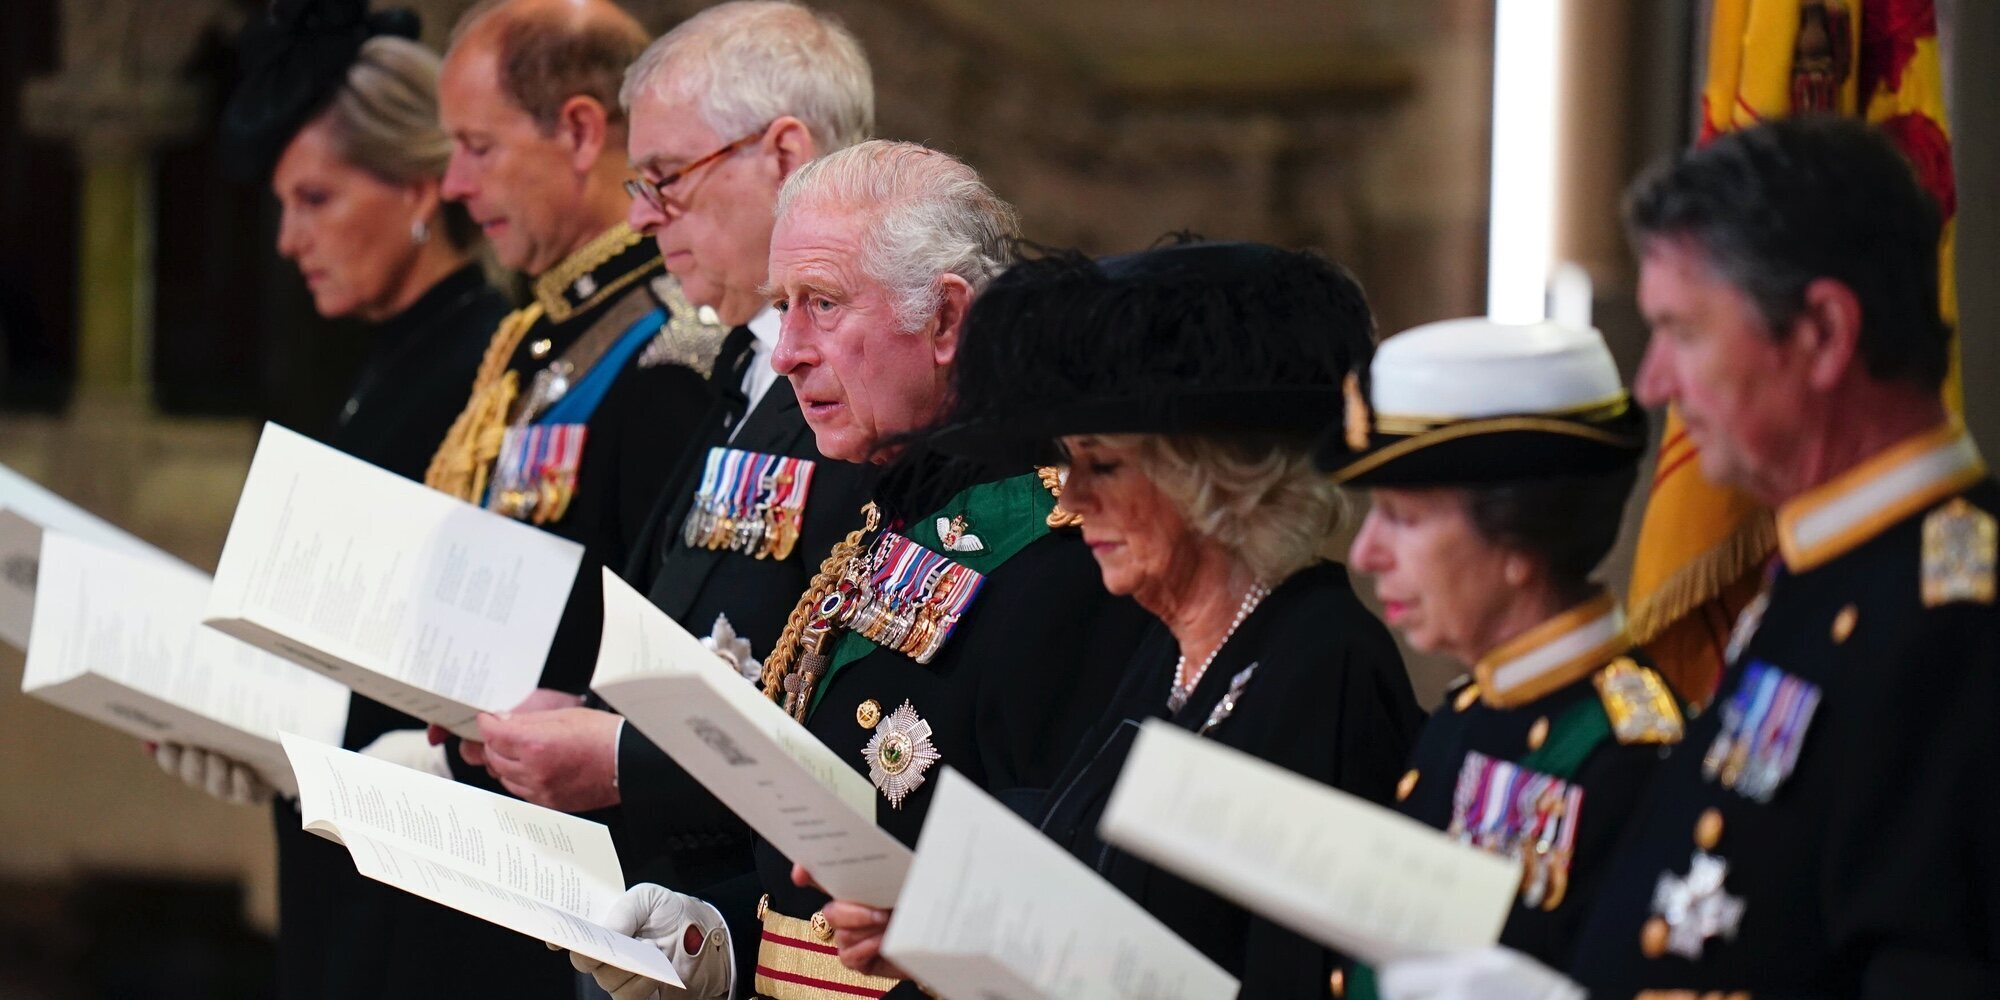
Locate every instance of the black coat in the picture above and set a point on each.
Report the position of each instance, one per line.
(670, 829)
(343, 935)
(1329, 700)
(1611, 774)
(1033, 662)
(1871, 871)
(650, 417)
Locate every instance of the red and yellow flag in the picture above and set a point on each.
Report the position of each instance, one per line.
(1701, 546)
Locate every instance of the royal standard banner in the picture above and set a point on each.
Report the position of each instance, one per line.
(1702, 547)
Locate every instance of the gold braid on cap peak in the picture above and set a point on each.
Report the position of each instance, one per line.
(463, 461)
(791, 640)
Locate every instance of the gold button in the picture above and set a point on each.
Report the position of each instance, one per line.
(1404, 788)
(540, 348)
(1708, 829)
(1336, 984)
(822, 927)
(1538, 733)
(1843, 623)
(1653, 938)
(868, 713)
(1466, 697)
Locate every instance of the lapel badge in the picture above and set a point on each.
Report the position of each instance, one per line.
(954, 536)
(899, 753)
(1230, 699)
(1690, 909)
(1959, 550)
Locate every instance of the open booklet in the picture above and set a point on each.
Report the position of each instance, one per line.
(993, 909)
(418, 600)
(26, 510)
(118, 638)
(765, 766)
(545, 874)
(1349, 874)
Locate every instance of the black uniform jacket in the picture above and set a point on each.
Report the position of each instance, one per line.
(346, 936)
(670, 829)
(1873, 869)
(657, 408)
(1552, 722)
(1329, 699)
(1033, 662)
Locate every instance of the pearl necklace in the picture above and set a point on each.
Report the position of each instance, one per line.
(1179, 692)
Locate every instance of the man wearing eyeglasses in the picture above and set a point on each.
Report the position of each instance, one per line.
(723, 109)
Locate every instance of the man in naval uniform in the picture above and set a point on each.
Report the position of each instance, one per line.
(588, 395)
(1827, 827)
(958, 625)
(717, 124)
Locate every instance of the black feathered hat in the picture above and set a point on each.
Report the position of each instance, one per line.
(1467, 402)
(295, 58)
(1196, 338)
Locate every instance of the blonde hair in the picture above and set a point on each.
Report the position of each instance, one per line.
(384, 119)
(1259, 497)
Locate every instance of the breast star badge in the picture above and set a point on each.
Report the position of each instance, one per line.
(899, 753)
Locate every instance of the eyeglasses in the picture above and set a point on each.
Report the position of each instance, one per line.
(655, 193)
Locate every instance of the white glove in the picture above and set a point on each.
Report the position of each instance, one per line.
(232, 781)
(1494, 973)
(411, 748)
(687, 930)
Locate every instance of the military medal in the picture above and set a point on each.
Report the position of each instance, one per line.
(1693, 908)
(1763, 727)
(534, 476)
(910, 598)
(1503, 808)
(1959, 550)
(748, 502)
(899, 753)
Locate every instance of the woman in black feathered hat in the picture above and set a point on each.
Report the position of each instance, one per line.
(337, 111)
(1185, 388)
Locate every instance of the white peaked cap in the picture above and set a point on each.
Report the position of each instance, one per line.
(1467, 369)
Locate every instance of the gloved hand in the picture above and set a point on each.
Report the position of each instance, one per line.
(687, 930)
(232, 781)
(1494, 973)
(411, 748)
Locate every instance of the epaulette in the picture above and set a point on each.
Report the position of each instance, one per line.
(1959, 544)
(1638, 702)
(689, 338)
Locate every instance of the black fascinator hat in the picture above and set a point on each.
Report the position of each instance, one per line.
(295, 58)
(1194, 338)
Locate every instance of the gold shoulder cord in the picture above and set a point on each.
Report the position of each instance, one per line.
(464, 459)
(1052, 480)
(805, 627)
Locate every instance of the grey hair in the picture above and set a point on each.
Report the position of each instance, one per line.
(928, 215)
(1259, 497)
(384, 119)
(745, 64)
